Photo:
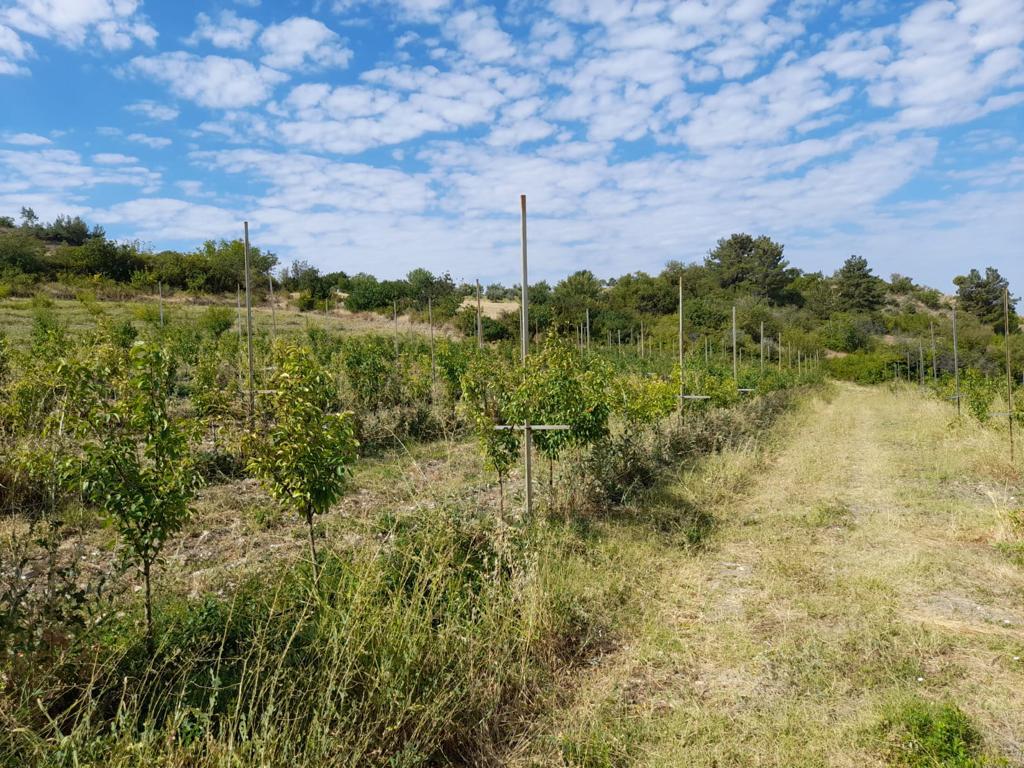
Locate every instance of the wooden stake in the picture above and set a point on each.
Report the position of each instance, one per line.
(238, 303)
(525, 349)
(956, 364)
(394, 309)
(1009, 375)
(735, 374)
(273, 308)
(248, 323)
(160, 288)
(479, 319)
(762, 347)
(430, 319)
(681, 347)
(935, 357)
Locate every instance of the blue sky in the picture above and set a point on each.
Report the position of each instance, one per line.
(382, 135)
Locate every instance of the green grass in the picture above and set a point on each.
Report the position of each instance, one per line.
(924, 734)
(436, 644)
(16, 315)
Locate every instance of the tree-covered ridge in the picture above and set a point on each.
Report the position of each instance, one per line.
(845, 310)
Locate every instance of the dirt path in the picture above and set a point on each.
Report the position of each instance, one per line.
(862, 566)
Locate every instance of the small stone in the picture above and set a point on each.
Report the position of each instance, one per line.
(920, 679)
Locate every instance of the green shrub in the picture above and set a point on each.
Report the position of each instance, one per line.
(215, 319)
(863, 367)
(978, 392)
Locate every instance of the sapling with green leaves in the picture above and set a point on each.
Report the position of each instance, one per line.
(487, 383)
(560, 386)
(304, 456)
(136, 460)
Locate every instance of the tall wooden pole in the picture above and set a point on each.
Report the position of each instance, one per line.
(248, 322)
(920, 362)
(1009, 375)
(479, 318)
(160, 288)
(588, 329)
(956, 364)
(524, 351)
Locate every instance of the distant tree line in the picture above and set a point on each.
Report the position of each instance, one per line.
(68, 248)
(744, 270)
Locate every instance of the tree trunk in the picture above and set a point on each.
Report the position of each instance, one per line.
(312, 546)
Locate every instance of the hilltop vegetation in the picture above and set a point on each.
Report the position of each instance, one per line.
(871, 328)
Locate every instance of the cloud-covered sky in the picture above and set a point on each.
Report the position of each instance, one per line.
(382, 135)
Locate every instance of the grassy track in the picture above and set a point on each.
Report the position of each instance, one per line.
(867, 564)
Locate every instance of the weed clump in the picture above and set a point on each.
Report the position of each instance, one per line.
(924, 734)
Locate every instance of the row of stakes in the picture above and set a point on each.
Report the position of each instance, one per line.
(524, 317)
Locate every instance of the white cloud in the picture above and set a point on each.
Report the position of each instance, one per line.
(210, 81)
(190, 187)
(165, 218)
(764, 110)
(479, 36)
(12, 51)
(399, 104)
(153, 110)
(153, 142)
(552, 39)
(27, 140)
(412, 10)
(55, 172)
(300, 42)
(113, 158)
(229, 31)
(116, 24)
(301, 182)
(951, 60)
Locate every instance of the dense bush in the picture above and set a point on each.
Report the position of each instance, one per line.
(864, 367)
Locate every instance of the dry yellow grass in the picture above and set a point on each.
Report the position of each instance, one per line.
(491, 309)
(857, 564)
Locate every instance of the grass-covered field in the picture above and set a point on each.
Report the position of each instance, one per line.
(805, 574)
(860, 603)
(16, 315)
